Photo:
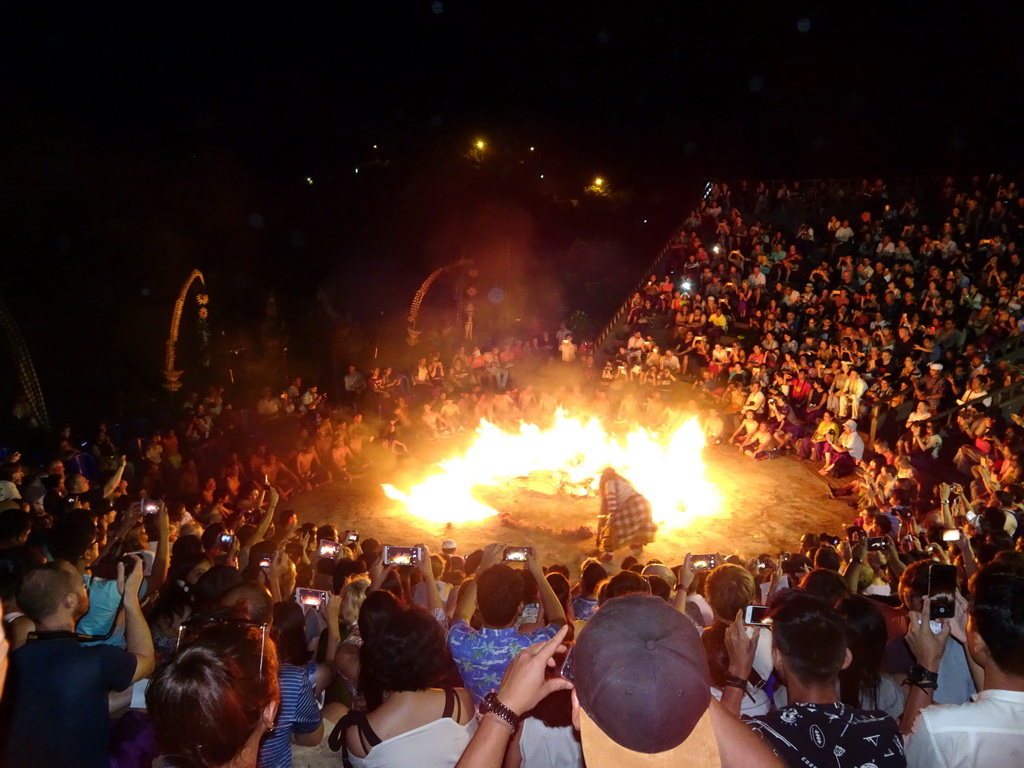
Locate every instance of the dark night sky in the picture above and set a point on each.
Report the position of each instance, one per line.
(137, 144)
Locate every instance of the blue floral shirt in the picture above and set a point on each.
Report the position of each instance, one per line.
(482, 656)
(583, 608)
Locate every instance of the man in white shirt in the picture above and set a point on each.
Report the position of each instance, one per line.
(841, 457)
(989, 729)
(845, 233)
(755, 401)
(635, 347)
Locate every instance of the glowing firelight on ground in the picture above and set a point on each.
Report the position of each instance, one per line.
(668, 469)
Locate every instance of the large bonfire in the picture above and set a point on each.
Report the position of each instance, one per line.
(668, 469)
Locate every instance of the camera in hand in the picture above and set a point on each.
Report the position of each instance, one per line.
(757, 616)
(106, 566)
(149, 507)
(329, 549)
(266, 561)
(703, 562)
(951, 534)
(904, 511)
(401, 555)
(351, 537)
(227, 539)
(833, 540)
(516, 554)
(311, 598)
(877, 544)
(941, 591)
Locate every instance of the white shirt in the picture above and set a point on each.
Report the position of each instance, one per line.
(987, 731)
(543, 747)
(853, 443)
(755, 402)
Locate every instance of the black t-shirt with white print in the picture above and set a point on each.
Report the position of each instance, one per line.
(831, 736)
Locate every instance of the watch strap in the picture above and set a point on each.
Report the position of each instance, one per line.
(492, 704)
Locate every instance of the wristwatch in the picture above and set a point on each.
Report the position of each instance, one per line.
(492, 704)
(923, 678)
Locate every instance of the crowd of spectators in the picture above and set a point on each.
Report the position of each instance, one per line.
(162, 600)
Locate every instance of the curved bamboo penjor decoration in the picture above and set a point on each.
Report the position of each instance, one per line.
(414, 310)
(173, 384)
(23, 361)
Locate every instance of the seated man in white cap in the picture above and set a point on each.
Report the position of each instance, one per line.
(642, 695)
(842, 455)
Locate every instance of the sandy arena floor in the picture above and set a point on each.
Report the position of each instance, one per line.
(767, 506)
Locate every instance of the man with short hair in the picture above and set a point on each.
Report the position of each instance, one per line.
(58, 688)
(989, 729)
(497, 591)
(815, 729)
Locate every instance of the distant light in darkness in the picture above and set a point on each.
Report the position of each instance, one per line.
(804, 24)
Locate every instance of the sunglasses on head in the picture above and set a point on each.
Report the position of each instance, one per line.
(191, 630)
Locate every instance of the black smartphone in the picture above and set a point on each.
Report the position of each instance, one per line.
(401, 555)
(942, 590)
(703, 562)
(227, 539)
(564, 666)
(516, 554)
(150, 507)
(833, 540)
(329, 549)
(265, 562)
(351, 537)
(877, 544)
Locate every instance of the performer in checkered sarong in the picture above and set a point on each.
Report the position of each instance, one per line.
(625, 516)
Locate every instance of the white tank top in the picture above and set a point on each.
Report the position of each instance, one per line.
(439, 744)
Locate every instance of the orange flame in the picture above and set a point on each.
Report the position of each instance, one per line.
(668, 469)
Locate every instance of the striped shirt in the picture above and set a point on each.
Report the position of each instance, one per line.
(298, 713)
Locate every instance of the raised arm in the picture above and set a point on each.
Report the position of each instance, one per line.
(553, 609)
(115, 480)
(158, 574)
(522, 688)
(138, 640)
(429, 582)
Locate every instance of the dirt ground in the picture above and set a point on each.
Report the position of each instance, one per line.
(767, 506)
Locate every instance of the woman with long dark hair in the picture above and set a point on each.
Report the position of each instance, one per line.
(408, 720)
(863, 684)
